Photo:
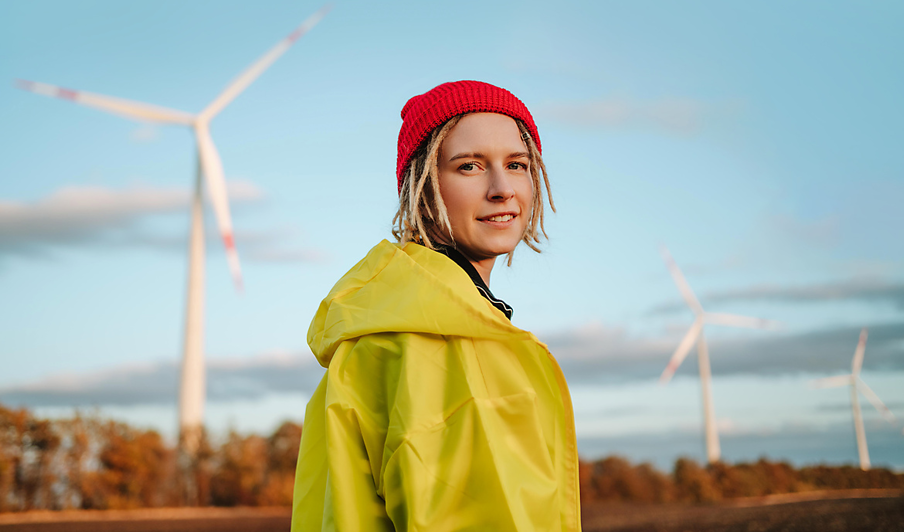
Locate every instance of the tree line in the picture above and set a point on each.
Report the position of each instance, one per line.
(616, 479)
(91, 463)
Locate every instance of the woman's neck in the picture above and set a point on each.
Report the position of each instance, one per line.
(484, 268)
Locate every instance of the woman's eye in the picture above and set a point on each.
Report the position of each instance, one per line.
(517, 166)
(467, 167)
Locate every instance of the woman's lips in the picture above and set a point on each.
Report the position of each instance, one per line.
(499, 220)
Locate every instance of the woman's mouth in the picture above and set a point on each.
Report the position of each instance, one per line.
(500, 218)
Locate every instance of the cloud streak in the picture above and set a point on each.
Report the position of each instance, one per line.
(602, 355)
(593, 355)
(157, 383)
(868, 290)
(101, 217)
(681, 116)
(801, 445)
(79, 214)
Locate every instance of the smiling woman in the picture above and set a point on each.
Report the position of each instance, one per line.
(436, 413)
(485, 185)
(424, 169)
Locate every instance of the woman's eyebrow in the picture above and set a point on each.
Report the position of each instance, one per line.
(468, 156)
(514, 155)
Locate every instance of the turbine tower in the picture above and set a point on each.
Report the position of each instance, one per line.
(695, 334)
(209, 173)
(857, 385)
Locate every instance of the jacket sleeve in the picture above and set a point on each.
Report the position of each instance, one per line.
(335, 484)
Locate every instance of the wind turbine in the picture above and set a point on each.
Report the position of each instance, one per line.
(192, 387)
(695, 334)
(857, 385)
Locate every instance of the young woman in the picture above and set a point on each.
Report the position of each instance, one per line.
(435, 412)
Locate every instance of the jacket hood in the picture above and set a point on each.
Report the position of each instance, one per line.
(407, 289)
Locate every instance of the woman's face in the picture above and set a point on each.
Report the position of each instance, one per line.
(485, 182)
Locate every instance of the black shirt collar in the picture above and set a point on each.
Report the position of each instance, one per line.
(481, 286)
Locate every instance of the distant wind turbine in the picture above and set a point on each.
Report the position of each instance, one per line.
(857, 385)
(192, 388)
(695, 334)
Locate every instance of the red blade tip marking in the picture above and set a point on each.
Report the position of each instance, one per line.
(295, 35)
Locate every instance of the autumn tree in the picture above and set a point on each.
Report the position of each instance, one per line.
(693, 483)
(614, 478)
(27, 445)
(91, 463)
(240, 471)
(282, 456)
(132, 469)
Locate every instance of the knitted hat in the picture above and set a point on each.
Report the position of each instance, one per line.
(424, 112)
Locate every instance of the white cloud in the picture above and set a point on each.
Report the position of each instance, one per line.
(865, 289)
(80, 211)
(799, 444)
(112, 217)
(825, 232)
(592, 355)
(287, 255)
(682, 116)
(609, 355)
(157, 383)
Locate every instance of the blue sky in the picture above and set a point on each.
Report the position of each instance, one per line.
(760, 142)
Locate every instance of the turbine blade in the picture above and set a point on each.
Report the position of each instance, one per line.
(216, 187)
(831, 382)
(118, 106)
(683, 287)
(873, 398)
(858, 354)
(733, 320)
(251, 73)
(681, 353)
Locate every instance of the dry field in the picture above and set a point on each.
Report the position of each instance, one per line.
(851, 512)
(857, 512)
(151, 520)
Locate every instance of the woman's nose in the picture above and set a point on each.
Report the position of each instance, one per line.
(500, 185)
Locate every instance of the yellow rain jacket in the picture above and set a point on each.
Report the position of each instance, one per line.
(435, 412)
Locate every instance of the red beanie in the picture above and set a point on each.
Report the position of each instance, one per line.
(424, 112)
